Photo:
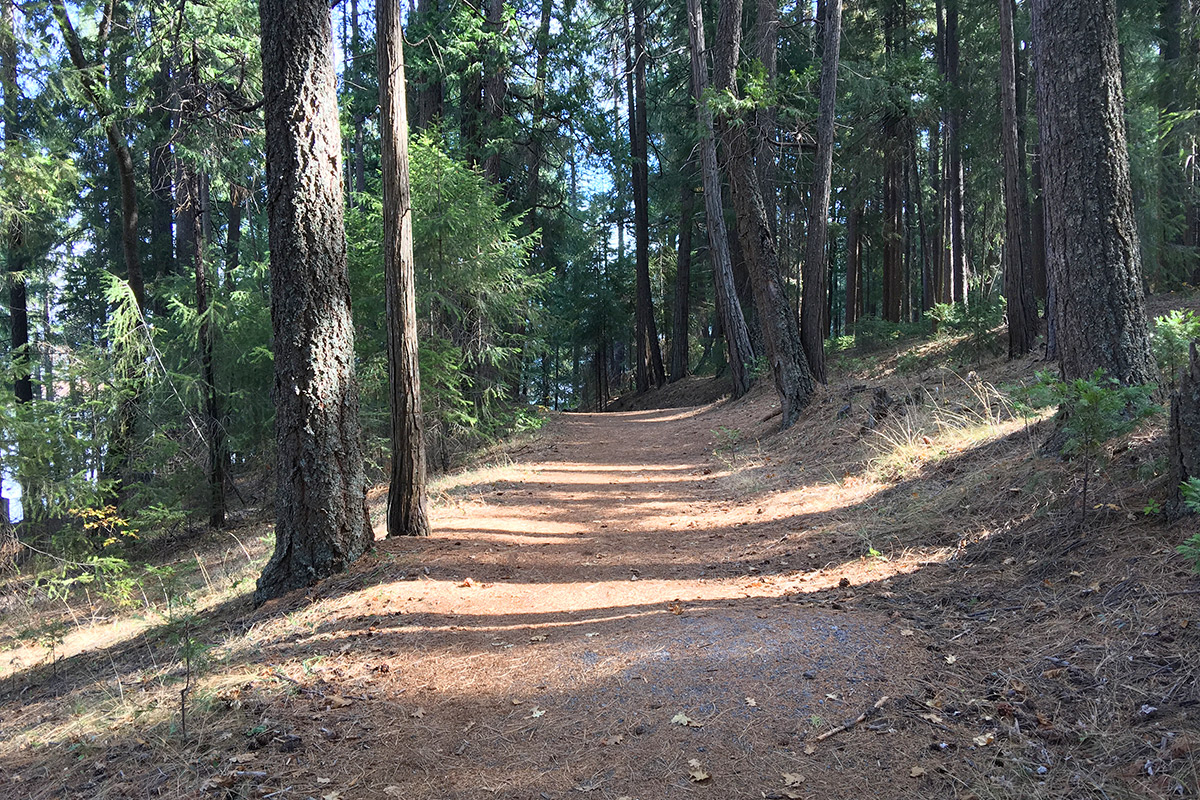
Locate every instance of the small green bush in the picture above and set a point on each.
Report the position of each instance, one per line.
(1191, 498)
(1171, 335)
(1091, 411)
(978, 319)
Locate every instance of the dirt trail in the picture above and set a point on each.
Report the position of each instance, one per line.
(572, 604)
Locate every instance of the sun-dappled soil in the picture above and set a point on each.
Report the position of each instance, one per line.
(676, 602)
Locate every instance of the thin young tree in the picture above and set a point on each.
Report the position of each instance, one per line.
(320, 499)
(729, 309)
(1018, 272)
(17, 260)
(406, 514)
(1093, 257)
(813, 324)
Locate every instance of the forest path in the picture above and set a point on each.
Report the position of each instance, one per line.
(571, 604)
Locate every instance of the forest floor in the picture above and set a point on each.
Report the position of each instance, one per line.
(894, 599)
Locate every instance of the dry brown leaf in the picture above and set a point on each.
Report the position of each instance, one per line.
(331, 796)
(907, 632)
(697, 773)
(951, 659)
(536, 712)
(418, 714)
(1057, 672)
(337, 701)
(983, 740)
(792, 779)
(243, 758)
(916, 772)
(809, 749)
(751, 703)
(611, 740)
(686, 721)
(934, 718)
(541, 637)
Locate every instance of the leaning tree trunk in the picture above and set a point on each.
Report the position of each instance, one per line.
(1093, 257)
(812, 331)
(1018, 277)
(407, 515)
(793, 379)
(729, 310)
(320, 503)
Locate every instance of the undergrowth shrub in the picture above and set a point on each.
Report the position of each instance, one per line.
(1171, 336)
(977, 319)
(1091, 411)
(1191, 498)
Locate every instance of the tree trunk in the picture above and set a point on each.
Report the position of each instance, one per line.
(537, 146)
(321, 511)
(853, 261)
(953, 278)
(812, 331)
(1092, 245)
(893, 236)
(793, 379)
(18, 259)
(1184, 432)
(729, 310)
(431, 90)
(766, 48)
(238, 195)
(649, 352)
(1018, 280)
(495, 87)
(190, 194)
(407, 515)
(683, 284)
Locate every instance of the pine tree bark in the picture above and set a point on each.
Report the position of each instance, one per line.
(407, 503)
(321, 511)
(683, 284)
(729, 310)
(1092, 246)
(1018, 278)
(793, 379)
(816, 289)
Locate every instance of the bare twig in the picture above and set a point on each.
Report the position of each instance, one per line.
(878, 705)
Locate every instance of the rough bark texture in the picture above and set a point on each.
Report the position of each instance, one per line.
(766, 50)
(812, 311)
(793, 379)
(729, 310)
(1091, 239)
(1018, 277)
(321, 511)
(407, 515)
(1184, 433)
(683, 284)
